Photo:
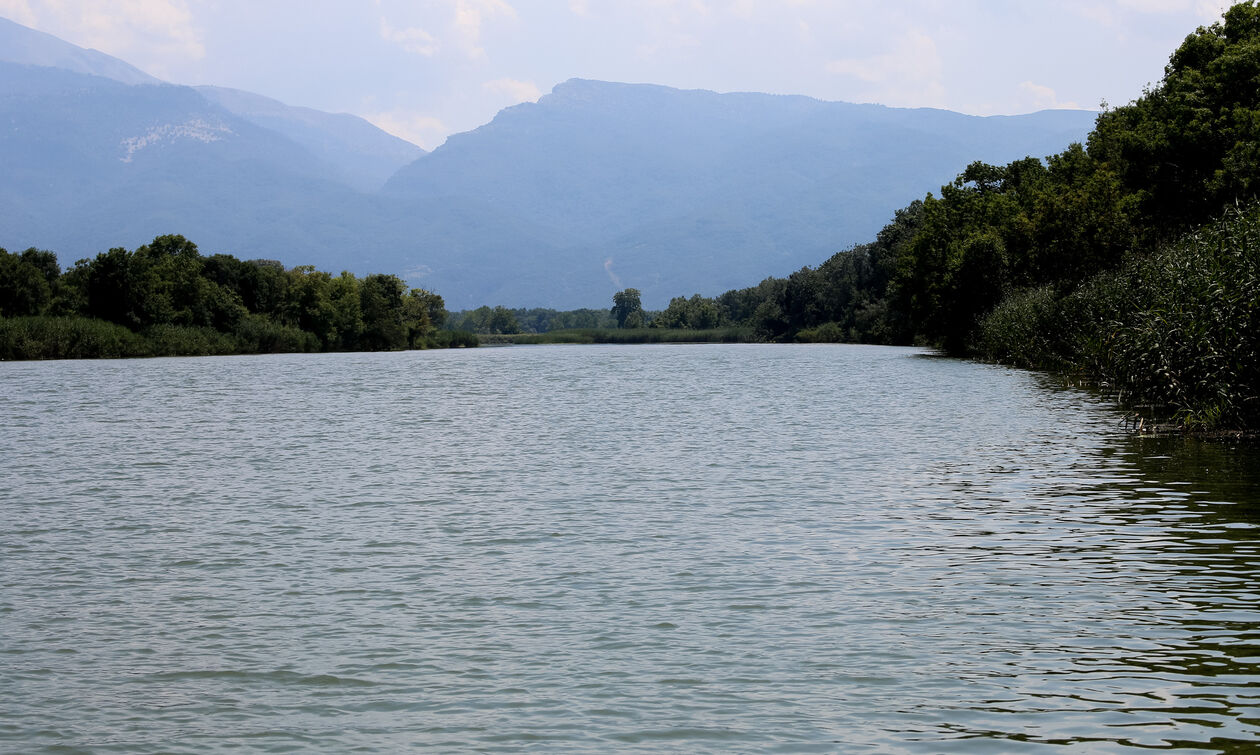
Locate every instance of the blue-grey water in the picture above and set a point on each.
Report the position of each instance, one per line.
(590, 549)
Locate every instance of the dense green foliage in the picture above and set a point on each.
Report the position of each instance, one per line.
(1178, 330)
(165, 298)
(628, 309)
(1074, 262)
(696, 313)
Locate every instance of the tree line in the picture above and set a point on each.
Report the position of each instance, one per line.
(166, 298)
(505, 321)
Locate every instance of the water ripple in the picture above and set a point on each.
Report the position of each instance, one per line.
(636, 549)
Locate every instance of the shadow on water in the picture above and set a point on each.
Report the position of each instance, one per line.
(1169, 657)
(1224, 474)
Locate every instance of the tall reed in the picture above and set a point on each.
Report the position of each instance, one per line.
(1176, 331)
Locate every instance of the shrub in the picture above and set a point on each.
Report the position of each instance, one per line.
(67, 338)
(1177, 331)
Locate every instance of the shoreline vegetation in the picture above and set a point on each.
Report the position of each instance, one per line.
(1130, 263)
(166, 299)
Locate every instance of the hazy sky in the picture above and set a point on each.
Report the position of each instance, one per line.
(423, 69)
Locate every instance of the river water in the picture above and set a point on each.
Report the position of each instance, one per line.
(587, 549)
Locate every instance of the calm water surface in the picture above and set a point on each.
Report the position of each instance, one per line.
(588, 549)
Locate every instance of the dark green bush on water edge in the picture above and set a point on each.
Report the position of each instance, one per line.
(1176, 331)
(45, 337)
(67, 338)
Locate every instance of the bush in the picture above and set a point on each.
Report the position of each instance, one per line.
(1025, 330)
(176, 340)
(451, 339)
(1188, 333)
(828, 332)
(256, 334)
(67, 338)
(1177, 331)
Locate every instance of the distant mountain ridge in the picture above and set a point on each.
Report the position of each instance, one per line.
(640, 180)
(20, 44)
(596, 187)
(365, 155)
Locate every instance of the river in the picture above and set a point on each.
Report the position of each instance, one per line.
(709, 548)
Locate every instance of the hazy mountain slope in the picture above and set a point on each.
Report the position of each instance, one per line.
(20, 44)
(91, 163)
(695, 191)
(87, 158)
(366, 155)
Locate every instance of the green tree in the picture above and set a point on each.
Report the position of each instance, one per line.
(1083, 221)
(310, 306)
(696, 313)
(346, 316)
(116, 288)
(628, 308)
(502, 320)
(674, 316)
(381, 299)
(423, 313)
(24, 286)
(1191, 145)
(173, 288)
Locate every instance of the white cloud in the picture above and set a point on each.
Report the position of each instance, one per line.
(1206, 9)
(910, 73)
(670, 25)
(1040, 97)
(413, 39)
(149, 33)
(1211, 10)
(469, 17)
(1116, 14)
(417, 128)
(19, 11)
(517, 91)
(437, 28)
(1156, 6)
(580, 7)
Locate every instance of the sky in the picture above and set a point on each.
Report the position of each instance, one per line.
(424, 69)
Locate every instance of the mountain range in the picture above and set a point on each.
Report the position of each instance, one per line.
(596, 187)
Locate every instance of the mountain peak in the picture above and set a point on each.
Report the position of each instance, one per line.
(21, 44)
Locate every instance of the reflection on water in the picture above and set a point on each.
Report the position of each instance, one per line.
(583, 549)
(1161, 599)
